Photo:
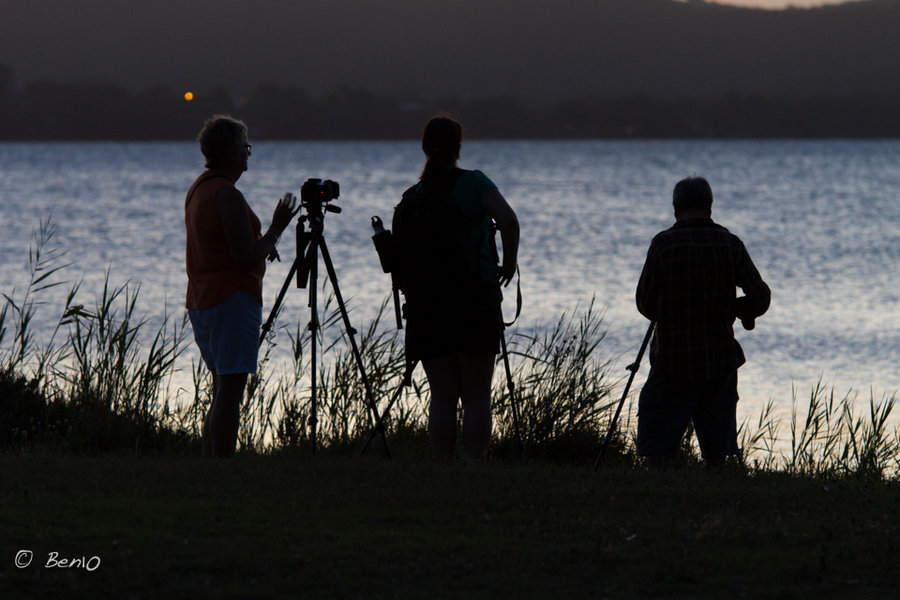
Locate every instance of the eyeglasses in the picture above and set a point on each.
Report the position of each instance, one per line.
(247, 148)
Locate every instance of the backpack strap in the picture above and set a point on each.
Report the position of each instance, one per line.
(408, 192)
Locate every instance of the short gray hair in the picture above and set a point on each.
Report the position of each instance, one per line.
(221, 138)
(692, 193)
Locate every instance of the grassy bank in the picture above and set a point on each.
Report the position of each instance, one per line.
(290, 525)
(99, 458)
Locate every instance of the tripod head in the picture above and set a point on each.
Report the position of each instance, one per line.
(315, 197)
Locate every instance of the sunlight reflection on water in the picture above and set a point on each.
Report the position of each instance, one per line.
(821, 220)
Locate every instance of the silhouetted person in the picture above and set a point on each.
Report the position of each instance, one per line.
(454, 325)
(225, 266)
(688, 287)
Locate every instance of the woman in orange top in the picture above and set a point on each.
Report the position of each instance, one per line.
(225, 263)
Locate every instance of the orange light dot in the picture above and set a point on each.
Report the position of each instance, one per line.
(188, 96)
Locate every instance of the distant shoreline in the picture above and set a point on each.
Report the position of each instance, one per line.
(83, 111)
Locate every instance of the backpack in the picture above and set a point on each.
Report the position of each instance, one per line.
(433, 250)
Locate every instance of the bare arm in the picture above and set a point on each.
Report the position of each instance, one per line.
(246, 251)
(508, 224)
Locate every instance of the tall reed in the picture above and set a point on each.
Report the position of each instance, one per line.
(99, 389)
(278, 408)
(562, 387)
(100, 383)
(828, 437)
(44, 264)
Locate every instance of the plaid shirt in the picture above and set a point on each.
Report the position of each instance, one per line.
(688, 287)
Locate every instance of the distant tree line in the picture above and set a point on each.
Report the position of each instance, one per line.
(85, 110)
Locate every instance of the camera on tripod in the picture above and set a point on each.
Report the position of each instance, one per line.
(317, 192)
(316, 196)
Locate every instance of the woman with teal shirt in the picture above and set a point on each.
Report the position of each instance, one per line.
(455, 331)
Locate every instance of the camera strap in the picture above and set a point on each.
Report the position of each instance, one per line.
(518, 300)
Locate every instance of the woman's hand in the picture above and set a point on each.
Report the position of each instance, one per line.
(505, 274)
(284, 212)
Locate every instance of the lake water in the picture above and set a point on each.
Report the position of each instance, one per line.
(821, 220)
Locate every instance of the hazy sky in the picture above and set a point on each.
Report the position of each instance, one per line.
(466, 48)
(781, 3)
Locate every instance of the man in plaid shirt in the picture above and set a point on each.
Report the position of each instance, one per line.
(688, 288)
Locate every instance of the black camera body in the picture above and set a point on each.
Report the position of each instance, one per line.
(318, 192)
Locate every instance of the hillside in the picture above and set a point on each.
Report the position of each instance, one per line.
(531, 49)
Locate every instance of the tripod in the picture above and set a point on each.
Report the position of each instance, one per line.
(309, 245)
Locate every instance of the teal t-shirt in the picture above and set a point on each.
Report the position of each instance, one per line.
(468, 190)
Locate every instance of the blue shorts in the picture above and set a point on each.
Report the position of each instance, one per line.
(228, 334)
(667, 405)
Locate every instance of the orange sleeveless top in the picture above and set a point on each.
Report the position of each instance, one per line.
(213, 275)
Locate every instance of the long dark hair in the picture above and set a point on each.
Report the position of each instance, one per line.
(441, 140)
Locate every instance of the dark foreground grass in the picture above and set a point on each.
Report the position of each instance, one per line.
(290, 525)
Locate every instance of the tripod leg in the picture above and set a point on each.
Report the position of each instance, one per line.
(634, 369)
(351, 334)
(312, 260)
(277, 306)
(510, 385)
(407, 380)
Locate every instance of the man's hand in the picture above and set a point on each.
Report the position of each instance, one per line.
(744, 312)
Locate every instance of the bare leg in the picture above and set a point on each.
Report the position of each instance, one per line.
(476, 374)
(444, 383)
(224, 415)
